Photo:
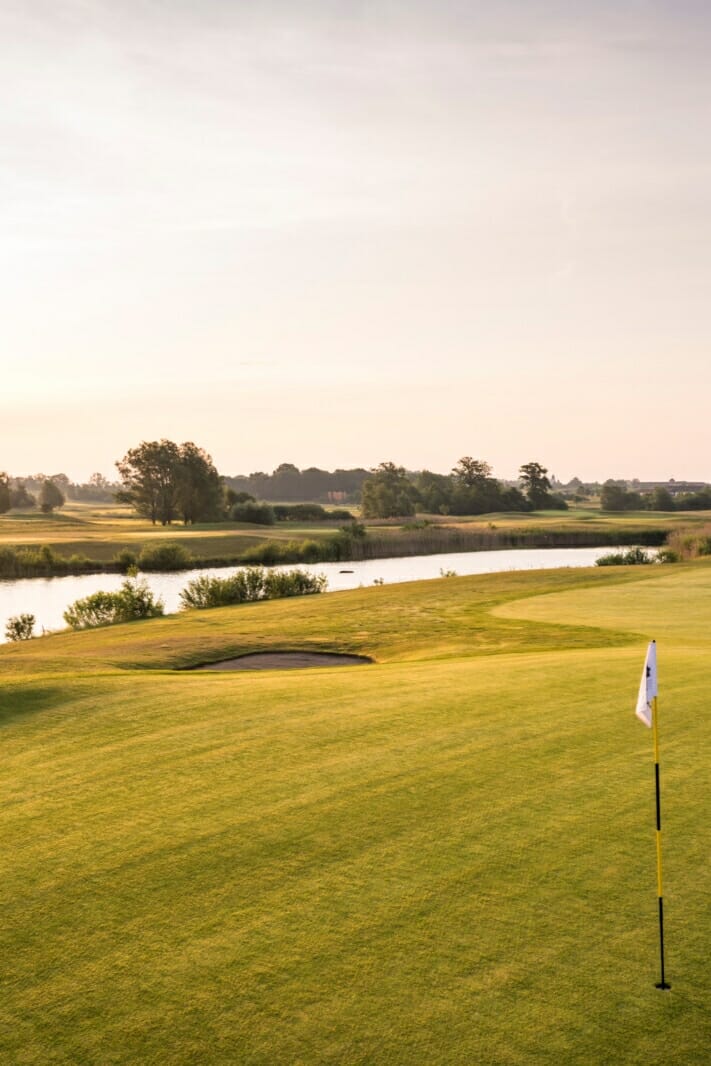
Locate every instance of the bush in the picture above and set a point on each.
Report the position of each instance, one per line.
(356, 530)
(20, 627)
(266, 554)
(668, 555)
(165, 555)
(248, 586)
(310, 551)
(34, 562)
(280, 584)
(126, 560)
(632, 557)
(260, 514)
(133, 601)
(300, 512)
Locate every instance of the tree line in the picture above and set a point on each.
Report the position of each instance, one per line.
(15, 494)
(50, 491)
(288, 484)
(616, 497)
(470, 488)
(167, 482)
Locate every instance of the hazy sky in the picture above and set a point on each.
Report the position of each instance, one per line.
(333, 233)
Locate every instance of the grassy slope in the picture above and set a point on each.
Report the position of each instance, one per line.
(444, 858)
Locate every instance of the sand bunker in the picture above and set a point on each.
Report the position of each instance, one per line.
(286, 660)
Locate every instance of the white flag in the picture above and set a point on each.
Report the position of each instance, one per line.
(647, 686)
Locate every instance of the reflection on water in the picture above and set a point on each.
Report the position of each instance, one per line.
(47, 598)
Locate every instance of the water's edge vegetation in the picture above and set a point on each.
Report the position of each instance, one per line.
(343, 545)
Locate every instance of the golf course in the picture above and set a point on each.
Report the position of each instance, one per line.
(442, 856)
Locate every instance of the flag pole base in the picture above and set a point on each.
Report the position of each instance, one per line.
(662, 985)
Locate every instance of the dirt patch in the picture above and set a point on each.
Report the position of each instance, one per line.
(286, 660)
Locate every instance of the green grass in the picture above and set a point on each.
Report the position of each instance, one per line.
(446, 857)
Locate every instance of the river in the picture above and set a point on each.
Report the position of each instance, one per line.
(47, 598)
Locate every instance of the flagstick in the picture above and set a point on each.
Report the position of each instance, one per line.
(661, 984)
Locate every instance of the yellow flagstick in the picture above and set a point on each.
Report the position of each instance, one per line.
(660, 894)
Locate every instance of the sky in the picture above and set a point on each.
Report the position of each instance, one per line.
(337, 233)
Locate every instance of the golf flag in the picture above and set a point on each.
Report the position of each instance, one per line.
(648, 687)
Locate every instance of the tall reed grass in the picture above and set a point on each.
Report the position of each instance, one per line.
(690, 545)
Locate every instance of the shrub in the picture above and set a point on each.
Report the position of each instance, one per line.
(300, 512)
(356, 530)
(133, 601)
(632, 557)
(310, 551)
(249, 585)
(266, 554)
(31, 562)
(260, 514)
(79, 562)
(704, 545)
(166, 555)
(20, 627)
(668, 555)
(279, 584)
(126, 560)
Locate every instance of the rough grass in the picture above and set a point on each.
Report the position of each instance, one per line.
(447, 857)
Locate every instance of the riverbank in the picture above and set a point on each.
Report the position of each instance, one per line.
(112, 539)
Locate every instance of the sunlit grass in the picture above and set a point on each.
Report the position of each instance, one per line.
(446, 857)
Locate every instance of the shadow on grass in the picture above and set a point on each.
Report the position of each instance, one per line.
(21, 701)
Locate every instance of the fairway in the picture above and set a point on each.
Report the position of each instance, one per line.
(445, 857)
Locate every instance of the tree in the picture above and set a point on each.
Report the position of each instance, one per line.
(286, 482)
(198, 485)
(163, 481)
(21, 498)
(50, 497)
(472, 473)
(388, 493)
(4, 492)
(535, 483)
(662, 500)
(435, 491)
(149, 474)
(613, 497)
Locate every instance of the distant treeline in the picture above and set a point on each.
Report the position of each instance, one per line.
(390, 491)
(288, 484)
(615, 497)
(165, 482)
(25, 493)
